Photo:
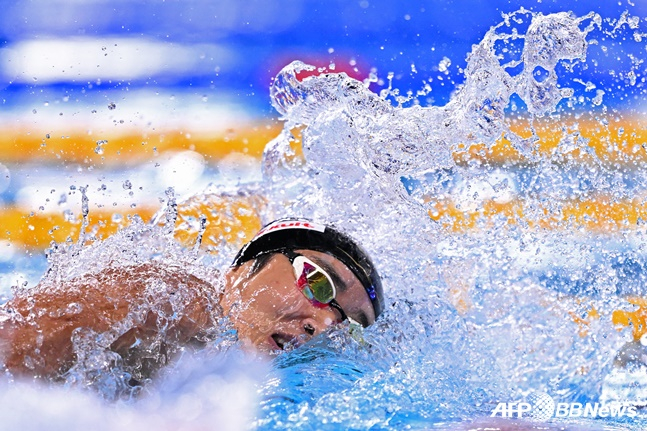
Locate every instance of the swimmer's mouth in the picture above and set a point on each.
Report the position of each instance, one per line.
(285, 341)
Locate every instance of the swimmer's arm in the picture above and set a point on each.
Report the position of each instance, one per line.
(37, 339)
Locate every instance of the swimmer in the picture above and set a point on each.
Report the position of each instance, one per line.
(293, 280)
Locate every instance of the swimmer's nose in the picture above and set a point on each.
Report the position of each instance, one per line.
(313, 326)
(310, 330)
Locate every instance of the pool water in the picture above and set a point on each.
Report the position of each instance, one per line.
(508, 226)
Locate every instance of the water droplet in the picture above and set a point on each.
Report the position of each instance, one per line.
(85, 211)
(597, 100)
(444, 64)
(99, 147)
(171, 211)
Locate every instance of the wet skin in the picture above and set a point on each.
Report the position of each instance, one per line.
(269, 311)
(265, 307)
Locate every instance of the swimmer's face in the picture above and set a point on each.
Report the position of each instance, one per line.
(270, 312)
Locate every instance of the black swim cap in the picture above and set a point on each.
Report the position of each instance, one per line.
(294, 234)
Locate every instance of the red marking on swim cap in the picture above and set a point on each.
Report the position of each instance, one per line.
(290, 224)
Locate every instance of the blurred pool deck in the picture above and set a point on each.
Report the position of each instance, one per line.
(127, 169)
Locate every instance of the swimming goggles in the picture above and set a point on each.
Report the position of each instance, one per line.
(315, 284)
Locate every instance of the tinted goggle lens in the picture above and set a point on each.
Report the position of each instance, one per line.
(313, 281)
(316, 285)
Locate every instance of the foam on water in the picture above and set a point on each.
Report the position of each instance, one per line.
(378, 169)
(473, 318)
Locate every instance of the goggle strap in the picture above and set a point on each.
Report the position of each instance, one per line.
(334, 304)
